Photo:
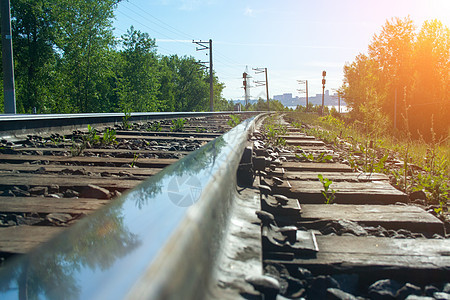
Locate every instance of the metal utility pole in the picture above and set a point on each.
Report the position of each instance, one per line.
(324, 73)
(395, 109)
(203, 46)
(261, 83)
(339, 94)
(339, 102)
(304, 91)
(9, 92)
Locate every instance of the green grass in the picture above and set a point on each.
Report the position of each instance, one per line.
(177, 125)
(425, 166)
(274, 130)
(354, 134)
(234, 120)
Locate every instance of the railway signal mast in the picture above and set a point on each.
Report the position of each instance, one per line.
(204, 45)
(246, 82)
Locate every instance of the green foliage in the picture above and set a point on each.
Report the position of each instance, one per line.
(404, 63)
(327, 192)
(68, 61)
(138, 84)
(77, 148)
(234, 120)
(177, 125)
(155, 126)
(425, 167)
(261, 105)
(135, 158)
(92, 137)
(309, 157)
(109, 137)
(57, 139)
(126, 120)
(434, 181)
(200, 129)
(328, 137)
(274, 130)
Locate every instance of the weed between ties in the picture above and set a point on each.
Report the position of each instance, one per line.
(327, 192)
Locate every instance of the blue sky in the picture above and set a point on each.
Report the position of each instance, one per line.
(294, 39)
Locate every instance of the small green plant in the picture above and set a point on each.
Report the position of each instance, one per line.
(305, 156)
(109, 137)
(177, 125)
(58, 139)
(327, 192)
(274, 130)
(91, 136)
(77, 148)
(126, 120)
(156, 126)
(353, 163)
(280, 141)
(297, 125)
(200, 130)
(234, 120)
(135, 158)
(380, 166)
(321, 158)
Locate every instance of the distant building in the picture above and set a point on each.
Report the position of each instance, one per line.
(287, 99)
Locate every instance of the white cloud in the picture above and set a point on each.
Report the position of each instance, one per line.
(248, 12)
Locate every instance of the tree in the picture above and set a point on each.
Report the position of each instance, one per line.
(416, 66)
(83, 40)
(138, 74)
(67, 61)
(189, 84)
(392, 52)
(431, 89)
(360, 80)
(35, 60)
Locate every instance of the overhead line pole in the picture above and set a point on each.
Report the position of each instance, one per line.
(304, 91)
(211, 78)
(260, 83)
(205, 46)
(267, 89)
(9, 93)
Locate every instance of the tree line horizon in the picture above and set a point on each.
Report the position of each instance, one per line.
(403, 81)
(67, 60)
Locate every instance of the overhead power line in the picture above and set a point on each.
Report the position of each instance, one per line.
(261, 83)
(208, 46)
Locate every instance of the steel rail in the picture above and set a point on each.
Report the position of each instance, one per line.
(16, 125)
(157, 241)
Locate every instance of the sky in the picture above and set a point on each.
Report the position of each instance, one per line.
(293, 39)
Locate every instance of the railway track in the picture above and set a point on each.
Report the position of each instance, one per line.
(239, 218)
(49, 180)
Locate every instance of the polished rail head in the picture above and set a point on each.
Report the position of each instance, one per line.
(157, 241)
